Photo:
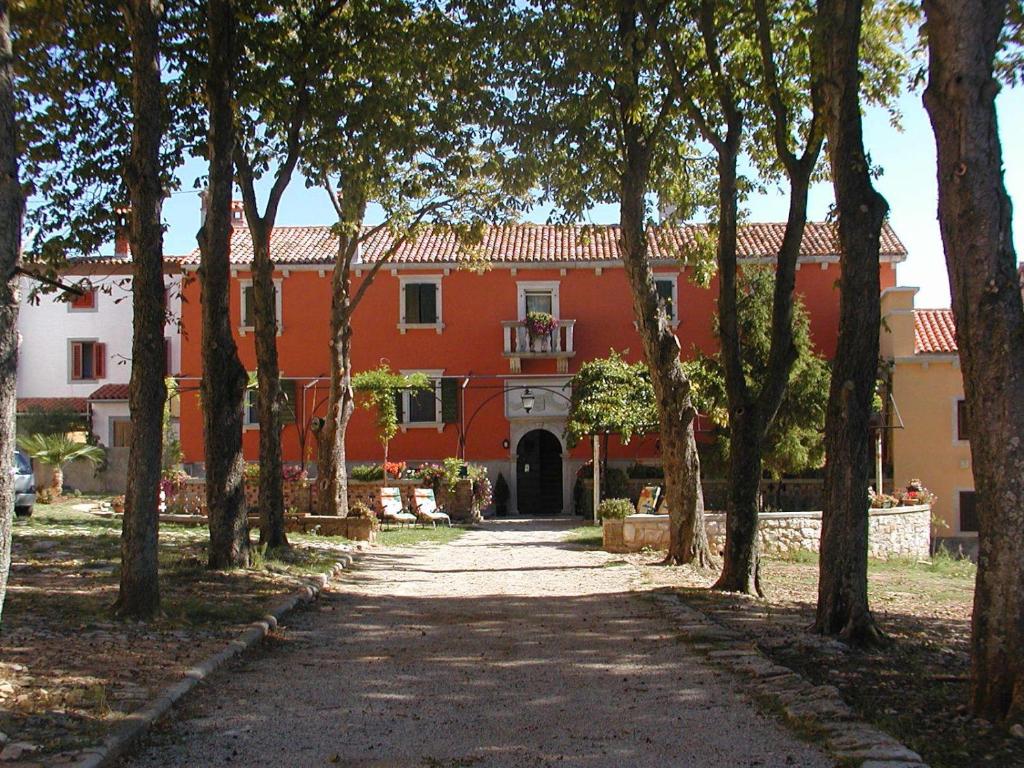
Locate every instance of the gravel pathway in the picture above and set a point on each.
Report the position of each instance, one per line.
(509, 647)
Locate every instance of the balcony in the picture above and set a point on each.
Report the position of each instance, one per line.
(519, 346)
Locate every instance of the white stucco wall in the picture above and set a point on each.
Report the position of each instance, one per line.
(47, 326)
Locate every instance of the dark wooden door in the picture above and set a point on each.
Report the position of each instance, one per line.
(539, 474)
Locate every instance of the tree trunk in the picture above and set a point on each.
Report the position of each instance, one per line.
(224, 378)
(57, 480)
(271, 492)
(685, 499)
(332, 471)
(741, 567)
(842, 586)
(139, 594)
(12, 206)
(976, 224)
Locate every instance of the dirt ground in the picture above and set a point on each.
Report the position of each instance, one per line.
(916, 689)
(68, 671)
(508, 647)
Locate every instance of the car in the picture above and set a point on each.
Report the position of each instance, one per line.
(24, 485)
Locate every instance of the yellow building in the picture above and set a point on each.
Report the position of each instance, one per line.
(928, 391)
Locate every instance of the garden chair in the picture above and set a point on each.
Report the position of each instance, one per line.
(427, 509)
(392, 509)
(647, 504)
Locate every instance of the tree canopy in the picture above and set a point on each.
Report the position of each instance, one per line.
(793, 442)
(611, 396)
(380, 389)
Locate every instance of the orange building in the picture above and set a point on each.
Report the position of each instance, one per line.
(500, 397)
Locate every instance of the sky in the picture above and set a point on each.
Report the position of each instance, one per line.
(906, 155)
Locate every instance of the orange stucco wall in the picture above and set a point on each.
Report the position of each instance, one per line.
(473, 305)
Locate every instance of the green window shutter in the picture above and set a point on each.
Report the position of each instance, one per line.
(288, 403)
(428, 303)
(412, 303)
(248, 318)
(449, 400)
(398, 407)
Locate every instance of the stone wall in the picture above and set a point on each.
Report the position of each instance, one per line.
(786, 496)
(83, 476)
(895, 532)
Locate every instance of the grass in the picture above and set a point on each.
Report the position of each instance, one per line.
(586, 537)
(412, 536)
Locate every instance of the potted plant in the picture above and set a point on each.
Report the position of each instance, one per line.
(501, 496)
(539, 327)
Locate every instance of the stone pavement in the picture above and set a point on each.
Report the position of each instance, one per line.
(509, 647)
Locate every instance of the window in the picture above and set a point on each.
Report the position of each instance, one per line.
(961, 420)
(432, 407)
(540, 301)
(420, 303)
(423, 406)
(88, 360)
(85, 301)
(251, 404)
(120, 433)
(538, 296)
(248, 306)
(968, 512)
(667, 294)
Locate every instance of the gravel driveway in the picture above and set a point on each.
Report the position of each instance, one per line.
(509, 647)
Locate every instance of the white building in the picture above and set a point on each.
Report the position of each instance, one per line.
(76, 351)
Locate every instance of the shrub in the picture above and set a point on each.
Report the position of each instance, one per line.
(293, 473)
(616, 484)
(361, 510)
(645, 472)
(615, 509)
(394, 469)
(366, 473)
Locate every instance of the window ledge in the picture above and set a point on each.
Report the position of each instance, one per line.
(244, 329)
(438, 425)
(403, 327)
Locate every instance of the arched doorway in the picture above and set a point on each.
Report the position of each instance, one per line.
(539, 474)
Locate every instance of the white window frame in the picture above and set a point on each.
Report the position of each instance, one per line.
(435, 375)
(525, 286)
(242, 285)
(403, 326)
(672, 277)
(956, 425)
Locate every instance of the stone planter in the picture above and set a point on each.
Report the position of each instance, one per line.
(611, 536)
(459, 503)
(540, 343)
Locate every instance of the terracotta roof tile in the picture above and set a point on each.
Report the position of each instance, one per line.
(934, 331)
(73, 404)
(110, 392)
(538, 244)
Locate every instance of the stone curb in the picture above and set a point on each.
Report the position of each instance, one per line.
(818, 709)
(138, 723)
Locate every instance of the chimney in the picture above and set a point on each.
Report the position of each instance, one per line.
(237, 210)
(666, 212)
(238, 214)
(122, 250)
